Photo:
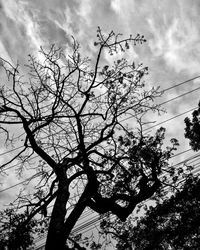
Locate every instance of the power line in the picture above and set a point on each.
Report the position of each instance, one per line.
(174, 98)
(10, 187)
(94, 220)
(157, 124)
(167, 89)
(160, 104)
(169, 119)
(175, 155)
(187, 150)
(19, 183)
(181, 83)
(148, 128)
(86, 225)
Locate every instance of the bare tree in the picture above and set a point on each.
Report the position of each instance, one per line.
(83, 119)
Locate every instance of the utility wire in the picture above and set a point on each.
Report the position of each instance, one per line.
(175, 155)
(164, 90)
(179, 84)
(15, 185)
(157, 124)
(86, 226)
(92, 220)
(171, 118)
(147, 128)
(187, 150)
(167, 89)
(176, 97)
(160, 104)
(96, 219)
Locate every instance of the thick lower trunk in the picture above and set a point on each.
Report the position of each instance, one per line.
(82, 203)
(60, 228)
(56, 237)
(76, 213)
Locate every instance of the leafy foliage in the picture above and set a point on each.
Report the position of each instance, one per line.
(192, 130)
(173, 224)
(13, 233)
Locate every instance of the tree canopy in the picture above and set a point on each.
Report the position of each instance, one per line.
(77, 127)
(192, 129)
(14, 235)
(173, 224)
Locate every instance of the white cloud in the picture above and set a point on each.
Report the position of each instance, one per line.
(85, 10)
(178, 43)
(4, 52)
(17, 13)
(115, 5)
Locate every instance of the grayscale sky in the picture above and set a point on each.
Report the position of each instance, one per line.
(172, 51)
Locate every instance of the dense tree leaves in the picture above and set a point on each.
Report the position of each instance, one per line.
(14, 235)
(192, 129)
(173, 224)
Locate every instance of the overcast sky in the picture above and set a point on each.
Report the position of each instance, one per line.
(171, 27)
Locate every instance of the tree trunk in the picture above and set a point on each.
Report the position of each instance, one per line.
(76, 212)
(60, 228)
(56, 237)
(82, 203)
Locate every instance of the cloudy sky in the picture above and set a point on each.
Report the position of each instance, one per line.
(171, 27)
